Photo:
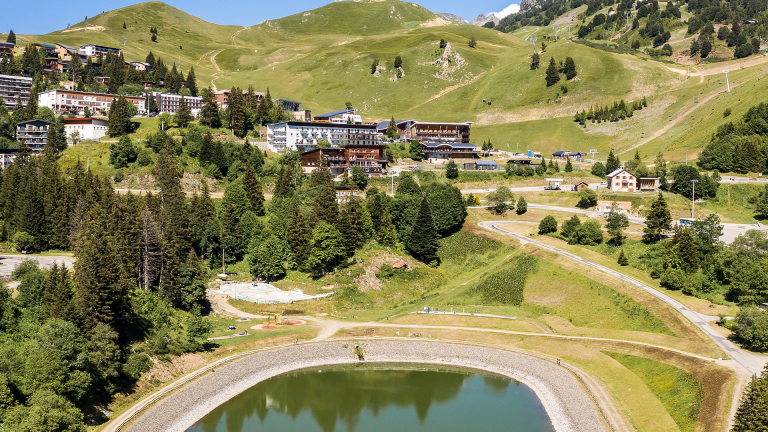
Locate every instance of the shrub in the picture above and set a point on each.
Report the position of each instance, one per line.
(587, 198)
(137, 364)
(119, 176)
(727, 112)
(751, 326)
(547, 225)
(589, 233)
(570, 226)
(145, 157)
(23, 241)
(673, 279)
(385, 272)
(506, 285)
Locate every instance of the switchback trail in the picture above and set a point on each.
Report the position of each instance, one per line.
(744, 359)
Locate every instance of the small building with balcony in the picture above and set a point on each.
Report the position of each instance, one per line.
(341, 160)
(443, 152)
(33, 134)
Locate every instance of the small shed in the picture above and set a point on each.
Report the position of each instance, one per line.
(469, 166)
(483, 165)
(400, 265)
(580, 185)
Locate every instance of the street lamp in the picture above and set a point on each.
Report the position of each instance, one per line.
(693, 196)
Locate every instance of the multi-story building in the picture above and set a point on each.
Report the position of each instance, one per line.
(402, 126)
(7, 156)
(169, 102)
(340, 116)
(140, 66)
(221, 97)
(86, 128)
(49, 49)
(95, 50)
(33, 134)
(74, 102)
(432, 132)
(443, 152)
(303, 136)
(13, 86)
(7, 47)
(341, 160)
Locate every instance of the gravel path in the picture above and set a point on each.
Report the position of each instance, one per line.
(745, 360)
(569, 406)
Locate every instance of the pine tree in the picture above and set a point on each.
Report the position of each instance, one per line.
(58, 292)
(657, 220)
(321, 176)
(192, 81)
(11, 37)
(236, 110)
(535, 61)
(325, 207)
(451, 170)
(265, 108)
(375, 210)
(422, 239)
(568, 166)
(31, 110)
(117, 123)
(688, 252)
(387, 235)
(253, 189)
(553, 76)
(183, 113)
(391, 129)
(298, 235)
(752, 414)
(612, 163)
(570, 68)
(522, 206)
(623, 261)
(209, 114)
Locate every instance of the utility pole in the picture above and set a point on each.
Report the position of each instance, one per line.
(569, 30)
(693, 197)
(726, 80)
(124, 41)
(627, 14)
(534, 44)
(556, 29)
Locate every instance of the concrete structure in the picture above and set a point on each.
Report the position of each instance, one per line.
(622, 180)
(74, 102)
(341, 160)
(7, 156)
(95, 50)
(443, 152)
(13, 86)
(264, 293)
(33, 133)
(303, 115)
(87, 128)
(303, 136)
(344, 116)
(169, 102)
(289, 105)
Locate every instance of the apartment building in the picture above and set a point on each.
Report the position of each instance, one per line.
(7, 47)
(87, 128)
(303, 136)
(33, 134)
(95, 50)
(221, 97)
(341, 160)
(169, 102)
(443, 152)
(74, 102)
(7, 156)
(340, 117)
(13, 86)
(432, 132)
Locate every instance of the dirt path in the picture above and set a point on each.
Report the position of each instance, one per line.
(221, 304)
(203, 56)
(449, 89)
(569, 18)
(213, 59)
(738, 64)
(234, 35)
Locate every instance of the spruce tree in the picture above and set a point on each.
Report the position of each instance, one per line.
(623, 261)
(325, 207)
(451, 170)
(192, 81)
(58, 292)
(253, 189)
(236, 109)
(568, 166)
(11, 37)
(354, 220)
(375, 210)
(391, 129)
(657, 220)
(522, 206)
(422, 239)
(762, 204)
(117, 122)
(535, 61)
(95, 275)
(553, 76)
(688, 252)
(298, 235)
(321, 176)
(612, 163)
(570, 68)
(19, 114)
(183, 113)
(387, 235)
(752, 414)
(152, 104)
(265, 108)
(327, 248)
(209, 113)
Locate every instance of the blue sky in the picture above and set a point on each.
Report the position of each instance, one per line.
(48, 15)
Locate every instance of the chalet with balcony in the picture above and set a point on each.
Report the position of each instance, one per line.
(341, 160)
(7, 47)
(622, 180)
(33, 134)
(443, 152)
(432, 132)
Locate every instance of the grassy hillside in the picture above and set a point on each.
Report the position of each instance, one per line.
(323, 58)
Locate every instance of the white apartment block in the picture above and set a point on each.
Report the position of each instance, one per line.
(169, 102)
(95, 50)
(13, 86)
(75, 102)
(303, 136)
(86, 128)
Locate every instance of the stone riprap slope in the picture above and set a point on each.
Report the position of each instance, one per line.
(564, 398)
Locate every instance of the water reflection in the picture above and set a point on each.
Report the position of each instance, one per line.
(354, 398)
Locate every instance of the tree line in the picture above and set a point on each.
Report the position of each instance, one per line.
(739, 146)
(619, 111)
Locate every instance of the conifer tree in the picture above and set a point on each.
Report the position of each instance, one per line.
(451, 170)
(688, 252)
(353, 229)
(209, 113)
(762, 204)
(568, 166)
(391, 129)
(19, 114)
(553, 76)
(267, 259)
(298, 235)
(265, 108)
(623, 261)
(236, 110)
(422, 239)
(58, 292)
(612, 163)
(11, 37)
(32, 104)
(321, 176)
(657, 220)
(570, 68)
(325, 207)
(387, 235)
(535, 61)
(327, 248)
(192, 81)
(253, 189)
(375, 210)
(752, 414)
(183, 113)
(117, 123)
(522, 206)
(151, 60)
(257, 159)
(152, 104)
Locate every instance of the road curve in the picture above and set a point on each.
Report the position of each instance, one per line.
(742, 358)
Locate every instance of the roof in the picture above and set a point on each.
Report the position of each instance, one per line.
(324, 125)
(45, 45)
(399, 264)
(83, 120)
(446, 123)
(335, 113)
(35, 121)
(483, 162)
(66, 47)
(452, 145)
(582, 182)
(617, 171)
(138, 62)
(17, 77)
(281, 100)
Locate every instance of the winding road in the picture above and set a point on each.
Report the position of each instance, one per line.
(744, 359)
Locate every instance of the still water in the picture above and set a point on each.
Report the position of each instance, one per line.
(367, 398)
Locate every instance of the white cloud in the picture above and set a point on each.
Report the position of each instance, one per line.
(513, 8)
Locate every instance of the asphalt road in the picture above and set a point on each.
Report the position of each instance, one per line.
(741, 357)
(9, 262)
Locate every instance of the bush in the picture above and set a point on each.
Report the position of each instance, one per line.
(23, 241)
(547, 225)
(727, 112)
(751, 326)
(589, 233)
(673, 279)
(385, 272)
(506, 285)
(119, 176)
(145, 157)
(587, 198)
(137, 364)
(623, 261)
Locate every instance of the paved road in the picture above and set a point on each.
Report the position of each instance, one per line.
(744, 359)
(9, 262)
